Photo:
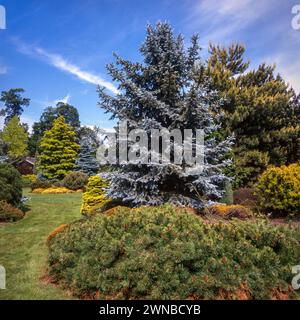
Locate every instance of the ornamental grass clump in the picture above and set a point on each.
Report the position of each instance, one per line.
(168, 252)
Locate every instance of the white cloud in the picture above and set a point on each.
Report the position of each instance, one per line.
(61, 63)
(105, 129)
(51, 103)
(29, 121)
(65, 100)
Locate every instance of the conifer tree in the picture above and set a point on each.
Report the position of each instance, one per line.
(16, 138)
(261, 110)
(165, 92)
(58, 150)
(70, 114)
(86, 160)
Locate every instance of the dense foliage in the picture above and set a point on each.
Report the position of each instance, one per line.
(47, 119)
(28, 180)
(279, 189)
(95, 195)
(75, 180)
(261, 110)
(169, 253)
(40, 184)
(16, 138)
(10, 184)
(9, 213)
(58, 150)
(13, 103)
(246, 196)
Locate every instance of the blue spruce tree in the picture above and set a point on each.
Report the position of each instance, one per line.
(86, 160)
(168, 90)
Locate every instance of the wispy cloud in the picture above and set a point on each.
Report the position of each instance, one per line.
(46, 102)
(3, 69)
(288, 65)
(66, 99)
(263, 25)
(63, 64)
(227, 17)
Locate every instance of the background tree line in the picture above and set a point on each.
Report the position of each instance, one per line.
(259, 108)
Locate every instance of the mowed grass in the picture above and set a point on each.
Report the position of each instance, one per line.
(23, 250)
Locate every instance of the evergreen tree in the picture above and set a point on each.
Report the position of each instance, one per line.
(16, 138)
(58, 150)
(261, 110)
(47, 118)
(165, 92)
(86, 160)
(13, 103)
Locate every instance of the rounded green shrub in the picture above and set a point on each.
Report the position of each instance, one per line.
(279, 190)
(75, 180)
(41, 184)
(10, 184)
(170, 253)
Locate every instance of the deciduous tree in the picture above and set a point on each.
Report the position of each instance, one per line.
(13, 103)
(16, 139)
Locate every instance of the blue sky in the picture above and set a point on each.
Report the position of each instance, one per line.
(57, 50)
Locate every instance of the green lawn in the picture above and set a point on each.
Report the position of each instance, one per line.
(23, 251)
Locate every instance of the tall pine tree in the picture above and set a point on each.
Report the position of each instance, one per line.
(165, 92)
(261, 110)
(58, 150)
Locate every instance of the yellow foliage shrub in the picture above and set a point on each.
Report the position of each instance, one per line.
(229, 211)
(279, 189)
(95, 195)
(55, 232)
(38, 190)
(53, 190)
